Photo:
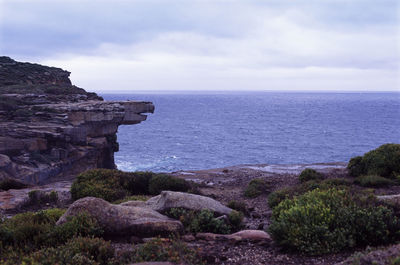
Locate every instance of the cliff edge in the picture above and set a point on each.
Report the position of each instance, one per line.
(51, 130)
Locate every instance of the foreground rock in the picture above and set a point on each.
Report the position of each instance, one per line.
(51, 130)
(118, 220)
(244, 235)
(171, 199)
(392, 199)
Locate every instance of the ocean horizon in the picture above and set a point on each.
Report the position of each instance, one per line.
(195, 130)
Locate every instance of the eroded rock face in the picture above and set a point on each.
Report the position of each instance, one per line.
(120, 220)
(51, 130)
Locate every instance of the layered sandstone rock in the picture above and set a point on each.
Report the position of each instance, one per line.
(51, 130)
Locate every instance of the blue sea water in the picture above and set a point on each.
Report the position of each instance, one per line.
(210, 130)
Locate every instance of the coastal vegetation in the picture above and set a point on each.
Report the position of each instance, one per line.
(112, 185)
(310, 174)
(255, 188)
(326, 221)
(319, 214)
(383, 161)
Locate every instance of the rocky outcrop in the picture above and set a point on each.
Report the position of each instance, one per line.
(172, 199)
(51, 130)
(118, 220)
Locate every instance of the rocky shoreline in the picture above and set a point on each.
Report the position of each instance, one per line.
(60, 191)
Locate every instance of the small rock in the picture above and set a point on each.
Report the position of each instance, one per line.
(252, 235)
(188, 238)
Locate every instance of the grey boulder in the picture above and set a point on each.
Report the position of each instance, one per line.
(119, 220)
(171, 199)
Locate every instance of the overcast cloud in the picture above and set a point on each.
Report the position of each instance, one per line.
(209, 45)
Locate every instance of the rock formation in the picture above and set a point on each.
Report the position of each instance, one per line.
(52, 130)
(118, 220)
(173, 199)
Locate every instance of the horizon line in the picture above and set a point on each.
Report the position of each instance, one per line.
(239, 91)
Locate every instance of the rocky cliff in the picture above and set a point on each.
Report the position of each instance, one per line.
(51, 130)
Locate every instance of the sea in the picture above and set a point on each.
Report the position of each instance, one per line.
(204, 130)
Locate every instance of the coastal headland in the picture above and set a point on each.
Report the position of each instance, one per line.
(62, 200)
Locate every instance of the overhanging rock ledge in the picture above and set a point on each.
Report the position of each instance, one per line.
(51, 130)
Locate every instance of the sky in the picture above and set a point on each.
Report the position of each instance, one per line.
(126, 46)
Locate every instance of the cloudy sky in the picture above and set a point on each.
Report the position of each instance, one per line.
(133, 45)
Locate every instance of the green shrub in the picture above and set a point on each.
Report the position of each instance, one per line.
(374, 181)
(172, 250)
(235, 219)
(79, 225)
(238, 206)
(310, 174)
(274, 198)
(113, 185)
(203, 221)
(8, 184)
(356, 166)
(100, 183)
(255, 188)
(137, 182)
(163, 182)
(40, 197)
(31, 231)
(395, 261)
(79, 251)
(326, 221)
(383, 161)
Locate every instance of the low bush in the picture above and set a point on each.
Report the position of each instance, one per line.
(374, 181)
(100, 183)
(30, 231)
(204, 221)
(383, 161)
(39, 197)
(310, 174)
(238, 206)
(326, 221)
(8, 184)
(172, 250)
(113, 185)
(274, 198)
(162, 182)
(235, 219)
(77, 251)
(255, 188)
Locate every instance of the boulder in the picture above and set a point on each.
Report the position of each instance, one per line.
(244, 235)
(134, 204)
(252, 235)
(171, 199)
(119, 220)
(393, 199)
